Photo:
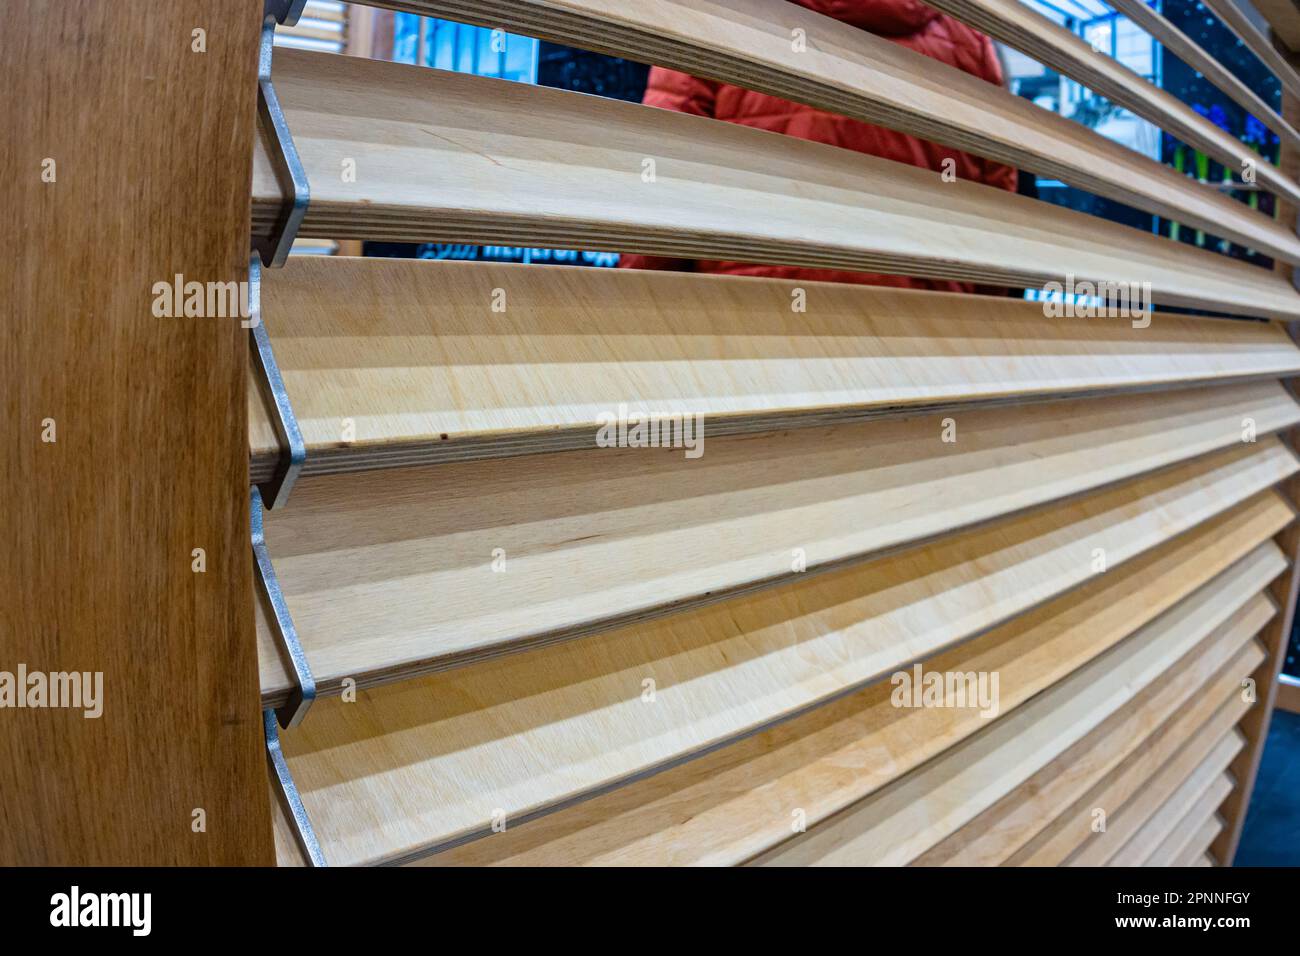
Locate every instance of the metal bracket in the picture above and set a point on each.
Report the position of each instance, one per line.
(275, 491)
(287, 791)
(289, 172)
(291, 713)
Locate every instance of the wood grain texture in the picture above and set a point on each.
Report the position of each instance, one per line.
(152, 146)
(896, 824)
(1027, 30)
(1284, 17)
(1197, 791)
(532, 731)
(1045, 818)
(287, 851)
(1255, 725)
(442, 155)
(376, 377)
(1129, 800)
(728, 805)
(1194, 853)
(391, 574)
(853, 72)
(1199, 825)
(1256, 41)
(1192, 54)
(1130, 790)
(732, 804)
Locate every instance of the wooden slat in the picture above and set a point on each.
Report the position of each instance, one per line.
(852, 72)
(1070, 835)
(441, 155)
(1276, 640)
(1201, 788)
(1198, 826)
(1284, 17)
(287, 852)
(1130, 804)
(1256, 41)
(720, 808)
(392, 573)
(1191, 53)
(1195, 852)
(736, 802)
(1044, 819)
(376, 376)
(1027, 30)
(898, 823)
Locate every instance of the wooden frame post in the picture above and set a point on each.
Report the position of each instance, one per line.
(127, 145)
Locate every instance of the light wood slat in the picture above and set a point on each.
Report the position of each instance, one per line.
(1072, 829)
(287, 852)
(898, 823)
(1198, 827)
(1284, 17)
(1196, 851)
(447, 156)
(1191, 53)
(364, 356)
(1130, 802)
(1240, 24)
(391, 573)
(681, 816)
(1027, 30)
(1204, 788)
(1255, 724)
(855, 73)
(734, 803)
(1045, 818)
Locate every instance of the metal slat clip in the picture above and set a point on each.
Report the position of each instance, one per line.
(276, 490)
(291, 713)
(289, 172)
(287, 791)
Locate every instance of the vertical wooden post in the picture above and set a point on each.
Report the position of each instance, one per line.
(1255, 725)
(128, 131)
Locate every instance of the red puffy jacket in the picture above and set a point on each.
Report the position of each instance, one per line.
(908, 22)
